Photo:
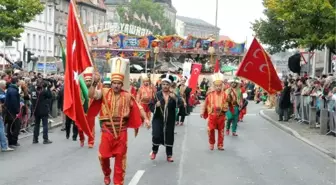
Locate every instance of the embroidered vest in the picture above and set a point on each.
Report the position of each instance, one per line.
(115, 109)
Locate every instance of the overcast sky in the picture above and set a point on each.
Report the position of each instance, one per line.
(234, 16)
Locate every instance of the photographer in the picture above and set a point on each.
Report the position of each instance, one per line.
(41, 107)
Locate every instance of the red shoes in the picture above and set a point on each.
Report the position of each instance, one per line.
(211, 147)
(220, 148)
(152, 156)
(233, 133)
(107, 180)
(170, 159)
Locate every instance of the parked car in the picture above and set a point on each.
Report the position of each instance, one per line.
(135, 68)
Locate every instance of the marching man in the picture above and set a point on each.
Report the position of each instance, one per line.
(118, 111)
(145, 94)
(235, 103)
(214, 110)
(87, 74)
(163, 107)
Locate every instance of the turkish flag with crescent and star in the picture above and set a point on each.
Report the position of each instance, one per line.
(77, 60)
(195, 72)
(258, 68)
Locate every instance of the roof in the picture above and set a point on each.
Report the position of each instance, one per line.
(115, 2)
(224, 37)
(194, 21)
(93, 3)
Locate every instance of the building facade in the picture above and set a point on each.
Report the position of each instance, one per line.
(38, 37)
(169, 9)
(90, 11)
(196, 27)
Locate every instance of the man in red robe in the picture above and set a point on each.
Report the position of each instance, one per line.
(118, 111)
(214, 109)
(243, 111)
(145, 94)
(87, 74)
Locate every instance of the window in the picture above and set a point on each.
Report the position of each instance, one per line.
(91, 19)
(34, 41)
(56, 50)
(28, 40)
(39, 43)
(44, 46)
(84, 17)
(49, 43)
(56, 28)
(49, 15)
(45, 13)
(9, 43)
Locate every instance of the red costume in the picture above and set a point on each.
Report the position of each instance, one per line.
(145, 95)
(88, 74)
(118, 111)
(214, 109)
(244, 110)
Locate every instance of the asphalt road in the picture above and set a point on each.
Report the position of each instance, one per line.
(261, 154)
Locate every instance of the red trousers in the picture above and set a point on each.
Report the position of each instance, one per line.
(117, 148)
(82, 137)
(242, 114)
(216, 123)
(147, 110)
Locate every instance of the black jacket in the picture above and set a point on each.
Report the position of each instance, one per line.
(41, 105)
(12, 102)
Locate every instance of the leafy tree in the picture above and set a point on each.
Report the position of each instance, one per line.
(149, 9)
(289, 24)
(13, 15)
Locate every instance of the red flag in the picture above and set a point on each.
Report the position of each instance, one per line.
(216, 68)
(195, 72)
(77, 59)
(258, 68)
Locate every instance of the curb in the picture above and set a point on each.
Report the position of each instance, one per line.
(55, 125)
(297, 135)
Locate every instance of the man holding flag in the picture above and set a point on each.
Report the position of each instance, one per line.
(118, 112)
(78, 59)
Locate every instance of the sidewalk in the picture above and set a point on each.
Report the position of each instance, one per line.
(55, 122)
(324, 143)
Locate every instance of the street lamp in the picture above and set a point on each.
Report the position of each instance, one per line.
(48, 3)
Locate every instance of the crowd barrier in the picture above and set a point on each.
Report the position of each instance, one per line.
(311, 110)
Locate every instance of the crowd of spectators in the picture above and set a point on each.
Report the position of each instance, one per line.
(26, 100)
(320, 92)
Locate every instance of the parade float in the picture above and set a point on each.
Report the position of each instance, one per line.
(156, 53)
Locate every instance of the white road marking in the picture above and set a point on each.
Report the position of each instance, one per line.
(136, 178)
(251, 114)
(181, 163)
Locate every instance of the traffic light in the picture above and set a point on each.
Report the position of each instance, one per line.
(24, 53)
(30, 56)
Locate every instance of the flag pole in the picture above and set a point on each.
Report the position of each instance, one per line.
(81, 30)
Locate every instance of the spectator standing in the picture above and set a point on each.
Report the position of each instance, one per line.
(41, 106)
(12, 104)
(3, 140)
(285, 103)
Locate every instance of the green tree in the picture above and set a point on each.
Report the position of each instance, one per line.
(289, 24)
(149, 9)
(13, 15)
